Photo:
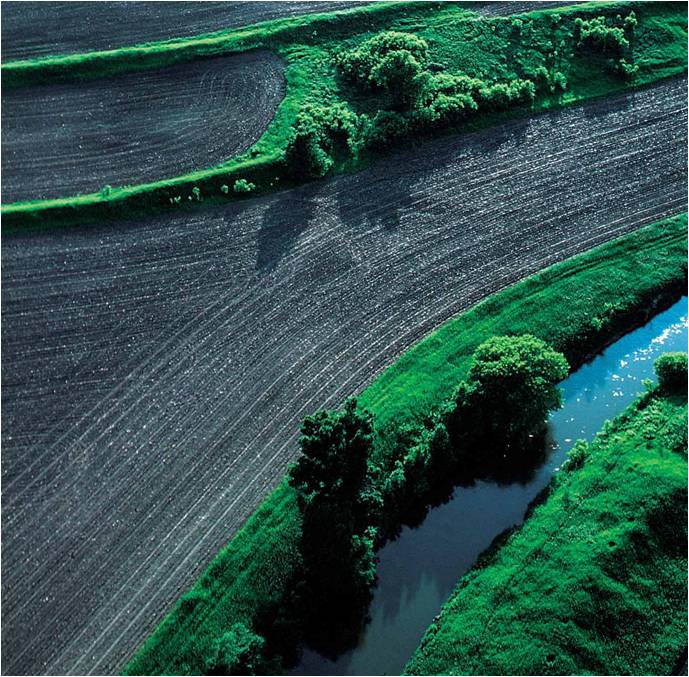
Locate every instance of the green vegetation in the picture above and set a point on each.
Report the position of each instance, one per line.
(510, 388)
(237, 652)
(671, 370)
(576, 306)
(595, 580)
(338, 503)
(361, 80)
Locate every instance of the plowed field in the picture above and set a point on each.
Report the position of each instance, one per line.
(155, 373)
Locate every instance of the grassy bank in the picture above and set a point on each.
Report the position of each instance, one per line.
(577, 306)
(495, 50)
(595, 580)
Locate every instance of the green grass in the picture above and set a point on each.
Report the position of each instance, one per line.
(490, 49)
(595, 581)
(577, 305)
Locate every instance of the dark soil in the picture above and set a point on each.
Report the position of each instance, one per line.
(62, 140)
(155, 373)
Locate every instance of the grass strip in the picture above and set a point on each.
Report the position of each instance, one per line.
(595, 580)
(578, 306)
(496, 49)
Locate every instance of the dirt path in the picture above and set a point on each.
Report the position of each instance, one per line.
(155, 374)
(29, 28)
(62, 140)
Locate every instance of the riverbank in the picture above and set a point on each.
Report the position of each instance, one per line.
(599, 569)
(418, 571)
(496, 50)
(576, 306)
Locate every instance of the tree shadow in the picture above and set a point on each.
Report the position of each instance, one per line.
(286, 218)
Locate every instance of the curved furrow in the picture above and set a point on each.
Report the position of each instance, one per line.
(188, 424)
(290, 309)
(59, 140)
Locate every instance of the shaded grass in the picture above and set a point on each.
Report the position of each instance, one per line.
(578, 306)
(595, 580)
(489, 49)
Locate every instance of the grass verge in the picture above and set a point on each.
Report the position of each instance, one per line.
(494, 50)
(595, 580)
(578, 306)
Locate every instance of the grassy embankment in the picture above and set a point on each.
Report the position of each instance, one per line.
(494, 50)
(595, 581)
(577, 306)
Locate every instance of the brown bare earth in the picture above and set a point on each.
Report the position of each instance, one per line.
(62, 140)
(155, 373)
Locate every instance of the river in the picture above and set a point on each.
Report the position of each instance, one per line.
(418, 570)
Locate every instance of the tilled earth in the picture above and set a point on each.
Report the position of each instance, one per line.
(61, 140)
(155, 373)
(29, 28)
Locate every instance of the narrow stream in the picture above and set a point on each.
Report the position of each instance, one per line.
(418, 571)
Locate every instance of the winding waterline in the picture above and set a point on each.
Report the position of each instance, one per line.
(418, 571)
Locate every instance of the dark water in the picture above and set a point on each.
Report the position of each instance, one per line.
(418, 571)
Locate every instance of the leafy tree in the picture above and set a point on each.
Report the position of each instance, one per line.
(509, 390)
(401, 76)
(335, 449)
(671, 369)
(358, 64)
(315, 134)
(337, 502)
(237, 652)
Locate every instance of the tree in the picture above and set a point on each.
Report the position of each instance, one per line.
(337, 502)
(402, 77)
(237, 652)
(509, 390)
(671, 369)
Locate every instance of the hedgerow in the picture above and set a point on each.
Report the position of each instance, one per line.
(404, 69)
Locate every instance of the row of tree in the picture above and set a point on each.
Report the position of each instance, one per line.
(348, 501)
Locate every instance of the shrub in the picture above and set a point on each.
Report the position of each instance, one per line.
(315, 134)
(671, 369)
(237, 652)
(359, 64)
(577, 456)
(243, 186)
(509, 390)
(224, 189)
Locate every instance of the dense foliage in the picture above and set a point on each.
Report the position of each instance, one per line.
(575, 306)
(599, 569)
(671, 370)
(510, 388)
(237, 652)
(338, 503)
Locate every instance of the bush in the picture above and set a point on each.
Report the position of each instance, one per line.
(237, 652)
(508, 393)
(243, 186)
(358, 65)
(577, 456)
(671, 369)
(610, 37)
(316, 133)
